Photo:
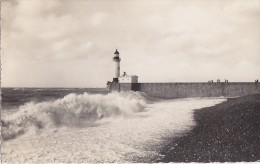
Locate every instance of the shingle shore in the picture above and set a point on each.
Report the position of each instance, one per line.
(228, 132)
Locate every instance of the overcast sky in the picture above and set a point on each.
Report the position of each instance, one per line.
(70, 43)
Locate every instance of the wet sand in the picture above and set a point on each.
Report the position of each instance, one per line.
(228, 132)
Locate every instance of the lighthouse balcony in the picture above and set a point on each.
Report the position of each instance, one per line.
(116, 58)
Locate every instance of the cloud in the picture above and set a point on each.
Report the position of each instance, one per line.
(74, 41)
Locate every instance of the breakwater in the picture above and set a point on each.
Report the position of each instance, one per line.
(182, 90)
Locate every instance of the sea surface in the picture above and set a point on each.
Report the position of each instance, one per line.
(15, 97)
(91, 124)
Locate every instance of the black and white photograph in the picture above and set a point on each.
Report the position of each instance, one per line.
(130, 81)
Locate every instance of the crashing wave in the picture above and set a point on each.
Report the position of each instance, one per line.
(72, 111)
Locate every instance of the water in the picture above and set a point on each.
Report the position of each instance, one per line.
(91, 125)
(14, 97)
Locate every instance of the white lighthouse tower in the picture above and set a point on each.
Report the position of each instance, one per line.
(117, 59)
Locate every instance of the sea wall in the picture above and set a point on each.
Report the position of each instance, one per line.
(181, 90)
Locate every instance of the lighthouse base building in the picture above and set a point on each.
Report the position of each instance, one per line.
(128, 78)
(123, 83)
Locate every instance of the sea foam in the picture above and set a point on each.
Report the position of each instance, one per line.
(72, 111)
(130, 129)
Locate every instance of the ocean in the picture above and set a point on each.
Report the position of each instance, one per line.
(91, 125)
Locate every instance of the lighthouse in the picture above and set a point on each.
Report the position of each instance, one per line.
(116, 60)
(124, 82)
